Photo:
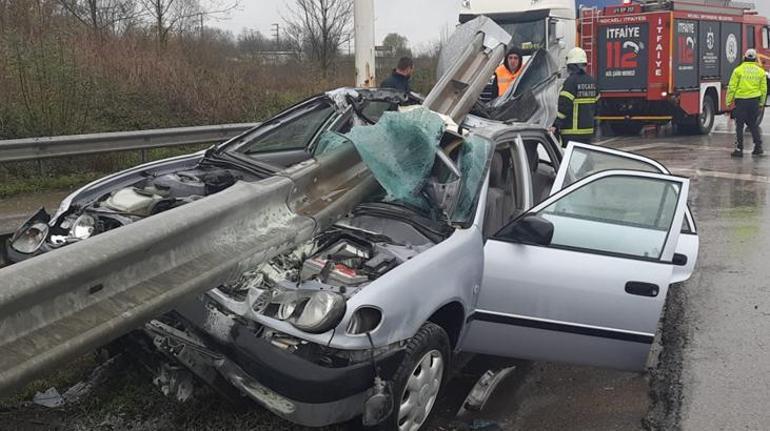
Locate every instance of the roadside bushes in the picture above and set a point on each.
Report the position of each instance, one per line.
(59, 77)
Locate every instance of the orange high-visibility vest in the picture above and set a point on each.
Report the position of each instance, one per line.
(505, 78)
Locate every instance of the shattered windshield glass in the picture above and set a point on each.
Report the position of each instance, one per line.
(474, 159)
(401, 151)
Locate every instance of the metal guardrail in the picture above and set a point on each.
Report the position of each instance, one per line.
(93, 291)
(75, 145)
(67, 301)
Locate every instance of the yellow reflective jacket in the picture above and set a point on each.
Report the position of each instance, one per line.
(748, 82)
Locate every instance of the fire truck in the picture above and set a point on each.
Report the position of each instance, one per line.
(666, 61)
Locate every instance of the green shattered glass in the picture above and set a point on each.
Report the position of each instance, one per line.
(474, 159)
(400, 151)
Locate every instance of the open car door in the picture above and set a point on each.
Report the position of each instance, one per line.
(583, 276)
(581, 160)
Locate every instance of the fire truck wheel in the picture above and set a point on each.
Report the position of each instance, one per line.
(706, 118)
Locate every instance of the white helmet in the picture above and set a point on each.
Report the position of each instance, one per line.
(577, 56)
(751, 54)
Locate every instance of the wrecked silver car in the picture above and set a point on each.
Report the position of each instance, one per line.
(286, 139)
(451, 256)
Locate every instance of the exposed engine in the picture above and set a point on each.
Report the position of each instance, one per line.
(151, 195)
(342, 259)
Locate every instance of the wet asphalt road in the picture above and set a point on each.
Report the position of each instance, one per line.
(715, 371)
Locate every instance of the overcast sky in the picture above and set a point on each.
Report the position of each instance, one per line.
(421, 21)
(763, 6)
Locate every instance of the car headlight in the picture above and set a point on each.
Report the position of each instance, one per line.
(313, 311)
(83, 227)
(31, 239)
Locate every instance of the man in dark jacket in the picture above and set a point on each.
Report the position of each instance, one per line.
(399, 79)
(577, 101)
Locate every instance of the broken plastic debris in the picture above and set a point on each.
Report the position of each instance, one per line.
(50, 398)
(483, 389)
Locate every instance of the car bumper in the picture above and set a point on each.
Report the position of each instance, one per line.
(292, 387)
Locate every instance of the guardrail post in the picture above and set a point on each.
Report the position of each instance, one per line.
(144, 155)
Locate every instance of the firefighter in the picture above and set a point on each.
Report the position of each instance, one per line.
(748, 89)
(577, 101)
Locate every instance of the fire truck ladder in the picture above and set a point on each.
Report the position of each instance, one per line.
(588, 17)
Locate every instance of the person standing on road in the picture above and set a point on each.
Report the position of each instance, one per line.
(748, 89)
(399, 79)
(577, 101)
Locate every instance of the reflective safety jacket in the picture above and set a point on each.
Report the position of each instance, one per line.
(749, 81)
(505, 78)
(577, 105)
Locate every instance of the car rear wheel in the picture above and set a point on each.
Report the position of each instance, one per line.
(419, 379)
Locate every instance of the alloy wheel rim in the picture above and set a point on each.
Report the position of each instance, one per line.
(420, 392)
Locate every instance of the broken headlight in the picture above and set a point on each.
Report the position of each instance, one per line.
(313, 311)
(31, 239)
(83, 227)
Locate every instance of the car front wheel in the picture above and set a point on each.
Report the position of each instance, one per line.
(419, 379)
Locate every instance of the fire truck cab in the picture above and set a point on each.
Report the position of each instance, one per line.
(660, 61)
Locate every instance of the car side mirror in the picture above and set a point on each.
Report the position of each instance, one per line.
(679, 259)
(531, 229)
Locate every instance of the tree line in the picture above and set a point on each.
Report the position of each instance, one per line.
(82, 66)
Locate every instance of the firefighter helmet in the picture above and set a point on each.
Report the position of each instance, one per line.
(751, 54)
(577, 56)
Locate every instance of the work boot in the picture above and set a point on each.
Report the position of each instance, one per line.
(758, 151)
(738, 152)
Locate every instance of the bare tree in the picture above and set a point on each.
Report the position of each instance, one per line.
(178, 15)
(101, 15)
(319, 28)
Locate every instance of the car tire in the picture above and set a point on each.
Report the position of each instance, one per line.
(419, 379)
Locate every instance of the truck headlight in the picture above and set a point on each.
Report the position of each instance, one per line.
(313, 311)
(31, 239)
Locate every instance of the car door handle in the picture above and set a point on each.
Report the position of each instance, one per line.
(642, 289)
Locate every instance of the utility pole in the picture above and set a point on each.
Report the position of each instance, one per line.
(277, 36)
(363, 11)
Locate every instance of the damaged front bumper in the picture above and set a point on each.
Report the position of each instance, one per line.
(293, 387)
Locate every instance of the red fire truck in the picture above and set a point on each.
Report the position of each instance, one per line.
(668, 60)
